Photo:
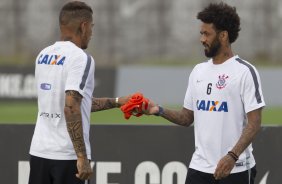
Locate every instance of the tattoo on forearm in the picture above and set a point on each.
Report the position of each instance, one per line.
(76, 134)
(246, 138)
(249, 132)
(74, 121)
(99, 104)
(184, 118)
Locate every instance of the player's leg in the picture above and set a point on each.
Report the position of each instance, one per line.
(39, 171)
(197, 177)
(246, 177)
(64, 172)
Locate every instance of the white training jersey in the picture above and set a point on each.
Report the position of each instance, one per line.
(221, 96)
(60, 67)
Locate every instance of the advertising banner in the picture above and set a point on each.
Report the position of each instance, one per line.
(19, 83)
(125, 154)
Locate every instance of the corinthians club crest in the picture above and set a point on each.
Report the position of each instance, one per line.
(221, 83)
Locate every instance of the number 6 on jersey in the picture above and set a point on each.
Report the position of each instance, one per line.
(209, 88)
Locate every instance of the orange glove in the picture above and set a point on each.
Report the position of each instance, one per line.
(134, 104)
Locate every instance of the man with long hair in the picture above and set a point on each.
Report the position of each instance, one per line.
(224, 101)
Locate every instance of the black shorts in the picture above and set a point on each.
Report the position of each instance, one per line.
(197, 177)
(46, 171)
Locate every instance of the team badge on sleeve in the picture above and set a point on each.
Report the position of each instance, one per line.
(221, 83)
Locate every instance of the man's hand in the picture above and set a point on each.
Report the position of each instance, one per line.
(84, 169)
(151, 109)
(224, 167)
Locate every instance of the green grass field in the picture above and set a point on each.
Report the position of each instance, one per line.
(25, 113)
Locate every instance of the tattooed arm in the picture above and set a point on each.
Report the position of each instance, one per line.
(184, 117)
(250, 131)
(74, 126)
(99, 104)
(227, 163)
(74, 121)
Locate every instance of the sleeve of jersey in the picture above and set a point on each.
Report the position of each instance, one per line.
(188, 100)
(78, 72)
(252, 96)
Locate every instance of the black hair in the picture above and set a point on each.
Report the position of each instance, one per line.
(223, 17)
(75, 10)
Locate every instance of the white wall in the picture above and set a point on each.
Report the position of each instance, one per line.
(167, 85)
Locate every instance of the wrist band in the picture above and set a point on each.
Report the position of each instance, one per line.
(233, 155)
(116, 101)
(161, 111)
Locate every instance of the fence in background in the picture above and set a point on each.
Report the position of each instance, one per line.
(131, 31)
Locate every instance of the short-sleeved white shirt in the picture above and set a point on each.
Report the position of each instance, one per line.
(60, 67)
(220, 97)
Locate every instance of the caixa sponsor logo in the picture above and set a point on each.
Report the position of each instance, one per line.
(207, 105)
(51, 59)
(45, 86)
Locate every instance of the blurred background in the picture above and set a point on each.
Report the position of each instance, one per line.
(138, 45)
(147, 46)
(139, 31)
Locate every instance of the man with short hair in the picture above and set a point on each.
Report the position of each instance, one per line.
(224, 100)
(60, 149)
